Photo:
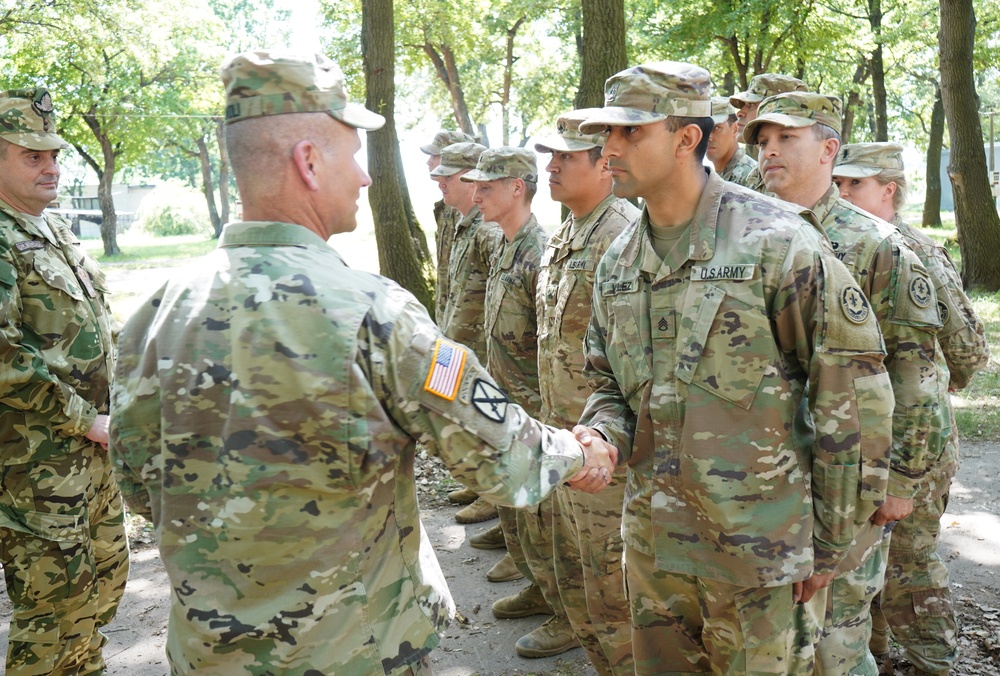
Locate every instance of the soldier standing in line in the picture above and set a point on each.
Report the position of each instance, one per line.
(268, 404)
(720, 320)
(915, 604)
(586, 529)
(62, 535)
(799, 138)
(724, 151)
(506, 180)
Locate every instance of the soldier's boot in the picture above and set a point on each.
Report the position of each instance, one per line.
(505, 570)
(480, 510)
(879, 644)
(528, 601)
(463, 496)
(552, 638)
(490, 539)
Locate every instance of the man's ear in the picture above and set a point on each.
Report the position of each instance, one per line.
(305, 157)
(688, 138)
(830, 148)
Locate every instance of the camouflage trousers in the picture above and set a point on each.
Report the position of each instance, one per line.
(587, 533)
(915, 604)
(686, 626)
(528, 534)
(65, 560)
(843, 646)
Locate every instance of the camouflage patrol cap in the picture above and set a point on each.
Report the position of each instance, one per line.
(795, 109)
(281, 82)
(652, 92)
(861, 160)
(504, 162)
(765, 85)
(568, 137)
(443, 139)
(721, 109)
(456, 157)
(26, 119)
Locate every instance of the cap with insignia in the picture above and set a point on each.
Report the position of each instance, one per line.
(277, 82)
(27, 120)
(861, 160)
(504, 162)
(721, 109)
(443, 139)
(456, 157)
(652, 92)
(795, 109)
(765, 85)
(568, 137)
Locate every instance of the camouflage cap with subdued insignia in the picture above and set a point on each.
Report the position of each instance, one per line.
(277, 82)
(721, 109)
(458, 156)
(652, 92)
(445, 138)
(504, 162)
(765, 85)
(568, 137)
(27, 120)
(861, 160)
(795, 109)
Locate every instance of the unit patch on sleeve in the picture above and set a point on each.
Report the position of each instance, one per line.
(920, 291)
(446, 369)
(854, 304)
(489, 400)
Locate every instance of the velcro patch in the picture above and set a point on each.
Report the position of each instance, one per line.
(29, 245)
(580, 264)
(446, 369)
(855, 305)
(705, 273)
(614, 288)
(489, 400)
(920, 291)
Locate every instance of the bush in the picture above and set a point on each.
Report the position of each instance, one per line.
(173, 210)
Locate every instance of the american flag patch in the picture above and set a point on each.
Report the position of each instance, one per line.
(446, 370)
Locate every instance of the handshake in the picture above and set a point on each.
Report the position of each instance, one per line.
(599, 460)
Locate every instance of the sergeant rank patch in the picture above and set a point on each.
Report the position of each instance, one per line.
(854, 304)
(489, 400)
(446, 369)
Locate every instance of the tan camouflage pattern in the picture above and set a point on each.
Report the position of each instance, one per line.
(721, 109)
(741, 169)
(269, 402)
(62, 539)
(586, 527)
(767, 84)
(795, 109)
(698, 374)
(447, 219)
(458, 156)
(279, 82)
(504, 162)
(443, 139)
(568, 137)
(756, 631)
(652, 92)
(469, 266)
(861, 160)
(27, 119)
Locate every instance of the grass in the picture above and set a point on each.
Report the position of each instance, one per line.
(144, 251)
(977, 407)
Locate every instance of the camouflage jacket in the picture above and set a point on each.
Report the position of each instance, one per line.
(565, 289)
(962, 337)
(57, 342)
(699, 364)
(902, 295)
(269, 402)
(739, 168)
(511, 324)
(446, 218)
(468, 267)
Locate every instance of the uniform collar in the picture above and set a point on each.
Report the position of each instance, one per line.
(826, 203)
(469, 218)
(270, 233)
(507, 252)
(31, 228)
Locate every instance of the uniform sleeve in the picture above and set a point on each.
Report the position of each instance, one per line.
(963, 337)
(903, 296)
(439, 394)
(26, 383)
(824, 325)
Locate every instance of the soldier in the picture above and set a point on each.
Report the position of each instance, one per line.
(724, 151)
(712, 313)
(915, 604)
(506, 180)
(62, 535)
(586, 530)
(269, 402)
(799, 138)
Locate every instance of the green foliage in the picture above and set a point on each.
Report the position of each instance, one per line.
(977, 407)
(173, 210)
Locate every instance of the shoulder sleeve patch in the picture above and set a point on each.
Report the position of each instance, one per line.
(914, 301)
(445, 373)
(849, 325)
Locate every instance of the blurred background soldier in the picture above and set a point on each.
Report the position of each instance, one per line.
(724, 151)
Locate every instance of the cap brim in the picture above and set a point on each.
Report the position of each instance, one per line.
(780, 119)
(737, 100)
(476, 176)
(720, 119)
(359, 117)
(614, 116)
(551, 144)
(445, 170)
(430, 150)
(39, 141)
(856, 171)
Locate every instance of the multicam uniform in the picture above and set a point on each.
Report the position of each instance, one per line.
(269, 402)
(447, 219)
(903, 299)
(739, 168)
(699, 363)
(586, 527)
(916, 600)
(62, 536)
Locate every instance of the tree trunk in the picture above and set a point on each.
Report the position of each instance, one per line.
(208, 184)
(443, 60)
(932, 198)
(396, 231)
(975, 209)
(602, 49)
(878, 73)
(105, 178)
(223, 175)
(508, 78)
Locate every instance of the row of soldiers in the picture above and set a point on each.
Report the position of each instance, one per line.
(757, 390)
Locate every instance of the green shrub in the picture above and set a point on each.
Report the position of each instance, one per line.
(173, 210)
